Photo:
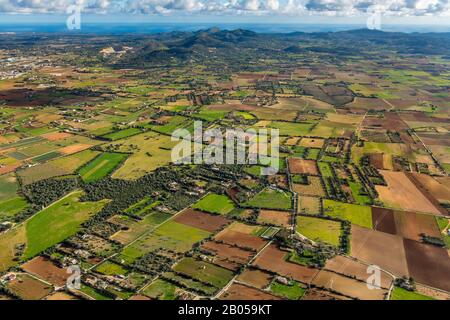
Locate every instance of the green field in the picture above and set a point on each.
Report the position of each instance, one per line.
(271, 199)
(8, 186)
(292, 291)
(161, 290)
(111, 269)
(93, 293)
(101, 166)
(189, 283)
(171, 235)
(117, 135)
(356, 214)
(215, 203)
(149, 151)
(292, 128)
(11, 207)
(136, 229)
(402, 294)
(325, 169)
(443, 223)
(47, 156)
(204, 272)
(60, 220)
(319, 230)
(211, 115)
(359, 197)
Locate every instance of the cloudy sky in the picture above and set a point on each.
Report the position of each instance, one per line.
(262, 9)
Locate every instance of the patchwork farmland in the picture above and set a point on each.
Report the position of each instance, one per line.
(87, 175)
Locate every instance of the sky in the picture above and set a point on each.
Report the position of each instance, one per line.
(273, 11)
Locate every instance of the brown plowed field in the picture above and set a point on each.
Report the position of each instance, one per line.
(319, 294)
(55, 136)
(302, 166)
(408, 225)
(74, 148)
(347, 286)
(273, 259)
(428, 264)
(46, 270)
(61, 296)
(358, 270)
(201, 220)
(436, 188)
(255, 278)
(401, 193)
(379, 248)
(28, 288)
(225, 251)
(279, 218)
(383, 220)
(240, 239)
(240, 292)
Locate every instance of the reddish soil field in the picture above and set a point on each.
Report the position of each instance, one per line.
(428, 264)
(280, 180)
(302, 166)
(242, 240)
(431, 189)
(376, 159)
(28, 288)
(46, 270)
(355, 269)
(379, 248)
(140, 298)
(232, 107)
(347, 286)
(368, 103)
(435, 139)
(227, 252)
(383, 220)
(201, 220)
(411, 225)
(391, 121)
(273, 259)
(403, 194)
(61, 296)
(318, 294)
(8, 169)
(74, 148)
(55, 136)
(278, 218)
(240, 292)
(255, 278)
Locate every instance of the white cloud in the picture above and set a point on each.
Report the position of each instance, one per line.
(260, 7)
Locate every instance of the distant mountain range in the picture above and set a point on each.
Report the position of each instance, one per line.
(236, 44)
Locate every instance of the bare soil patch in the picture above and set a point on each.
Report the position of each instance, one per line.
(379, 248)
(279, 218)
(255, 278)
(355, 269)
(242, 240)
(401, 193)
(241, 292)
(428, 264)
(302, 166)
(202, 220)
(347, 286)
(45, 269)
(273, 259)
